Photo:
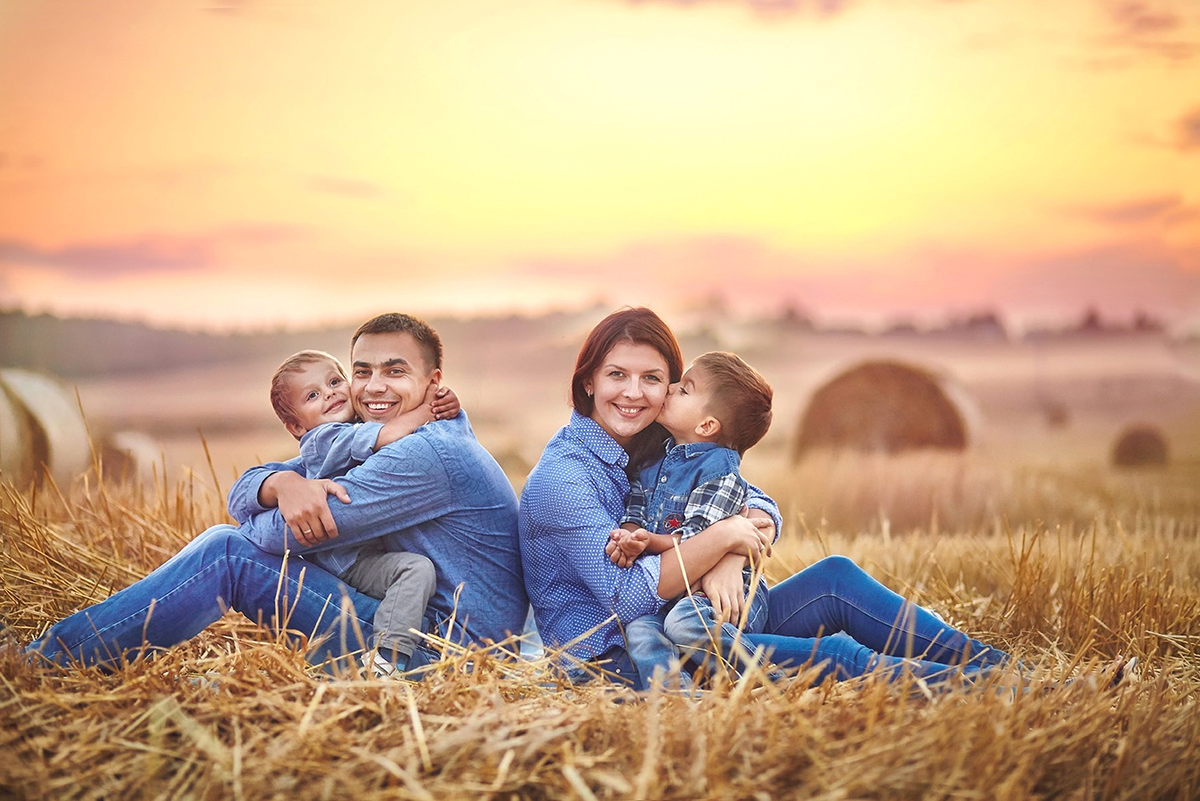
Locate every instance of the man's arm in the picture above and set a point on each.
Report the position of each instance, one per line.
(403, 484)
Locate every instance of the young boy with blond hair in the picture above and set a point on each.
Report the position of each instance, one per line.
(720, 408)
(310, 394)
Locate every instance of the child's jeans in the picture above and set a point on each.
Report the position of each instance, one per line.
(651, 639)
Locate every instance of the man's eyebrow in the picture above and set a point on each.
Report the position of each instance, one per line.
(399, 360)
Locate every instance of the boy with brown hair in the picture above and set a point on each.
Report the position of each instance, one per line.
(310, 394)
(720, 408)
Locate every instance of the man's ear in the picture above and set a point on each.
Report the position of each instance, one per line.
(709, 427)
(435, 377)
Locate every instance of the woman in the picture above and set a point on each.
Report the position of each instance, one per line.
(576, 493)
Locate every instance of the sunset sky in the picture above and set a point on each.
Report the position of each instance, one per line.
(253, 163)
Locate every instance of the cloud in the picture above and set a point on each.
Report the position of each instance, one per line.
(819, 8)
(345, 187)
(1152, 27)
(151, 253)
(1166, 208)
(929, 280)
(1188, 130)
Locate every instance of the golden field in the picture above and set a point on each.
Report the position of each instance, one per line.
(1030, 540)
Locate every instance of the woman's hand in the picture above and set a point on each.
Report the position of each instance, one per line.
(745, 535)
(302, 503)
(724, 586)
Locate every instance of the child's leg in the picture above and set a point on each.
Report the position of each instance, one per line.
(404, 582)
(652, 653)
(693, 626)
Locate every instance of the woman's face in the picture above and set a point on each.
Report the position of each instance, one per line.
(629, 389)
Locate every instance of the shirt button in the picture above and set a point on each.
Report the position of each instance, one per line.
(662, 480)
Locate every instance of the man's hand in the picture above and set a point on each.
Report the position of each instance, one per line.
(723, 586)
(444, 404)
(302, 503)
(623, 547)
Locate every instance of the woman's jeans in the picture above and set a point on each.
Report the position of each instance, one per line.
(834, 616)
(218, 570)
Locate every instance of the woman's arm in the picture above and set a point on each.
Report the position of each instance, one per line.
(697, 555)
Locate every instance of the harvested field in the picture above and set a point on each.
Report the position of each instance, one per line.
(236, 714)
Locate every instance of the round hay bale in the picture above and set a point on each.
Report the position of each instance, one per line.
(129, 455)
(885, 407)
(59, 438)
(16, 440)
(1140, 446)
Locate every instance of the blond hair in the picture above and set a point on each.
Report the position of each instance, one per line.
(281, 400)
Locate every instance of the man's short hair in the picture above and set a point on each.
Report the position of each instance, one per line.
(739, 397)
(396, 323)
(281, 400)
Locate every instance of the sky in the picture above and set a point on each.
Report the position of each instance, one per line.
(252, 164)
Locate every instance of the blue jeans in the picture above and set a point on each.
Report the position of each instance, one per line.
(652, 639)
(834, 615)
(218, 570)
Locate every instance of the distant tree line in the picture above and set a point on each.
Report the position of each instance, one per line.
(79, 348)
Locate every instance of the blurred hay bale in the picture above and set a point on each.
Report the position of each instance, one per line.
(885, 407)
(55, 437)
(17, 439)
(1140, 446)
(129, 455)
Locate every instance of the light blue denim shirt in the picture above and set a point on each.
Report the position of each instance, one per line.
(573, 498)
(329, 451)
(436, 492)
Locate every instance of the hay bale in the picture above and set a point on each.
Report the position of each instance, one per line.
(57, 435)
(16, 440)
(129, 455)
(1140, 446)
(887, 407)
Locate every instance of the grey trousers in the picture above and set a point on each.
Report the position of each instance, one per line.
(403, 582)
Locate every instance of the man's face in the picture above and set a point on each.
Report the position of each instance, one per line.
(388, 375)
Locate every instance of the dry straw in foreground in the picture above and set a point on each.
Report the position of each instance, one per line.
(237, 714)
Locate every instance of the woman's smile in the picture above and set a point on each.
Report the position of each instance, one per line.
(628, 388)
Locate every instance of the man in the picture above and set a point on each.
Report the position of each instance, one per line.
(436, 492)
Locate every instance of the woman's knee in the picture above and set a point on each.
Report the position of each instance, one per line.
(838, 566)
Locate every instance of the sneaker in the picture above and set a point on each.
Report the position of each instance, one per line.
(378, 667)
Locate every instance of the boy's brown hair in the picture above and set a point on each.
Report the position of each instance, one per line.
(739, 397)
(281, 401)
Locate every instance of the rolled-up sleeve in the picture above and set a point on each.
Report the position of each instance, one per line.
(243, 495)
(760, 500)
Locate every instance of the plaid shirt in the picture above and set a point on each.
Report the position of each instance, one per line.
(690, 488)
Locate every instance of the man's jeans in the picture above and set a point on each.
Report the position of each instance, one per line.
(834, 615)
(218, 570)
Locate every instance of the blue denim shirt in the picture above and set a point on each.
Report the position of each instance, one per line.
(436, 492)
(572, 500)
(329, 451)
(691, 487)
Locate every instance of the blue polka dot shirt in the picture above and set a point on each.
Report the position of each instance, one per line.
(573, 498)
